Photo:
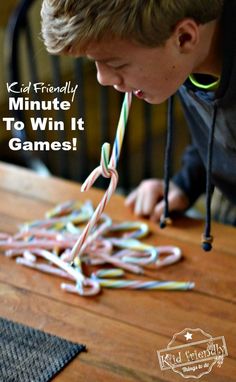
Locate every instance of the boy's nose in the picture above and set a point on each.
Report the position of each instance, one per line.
(106, 76)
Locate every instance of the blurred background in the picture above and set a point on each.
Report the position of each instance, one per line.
(25, 60)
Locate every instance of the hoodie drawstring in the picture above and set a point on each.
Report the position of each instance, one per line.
(207, 238)
(165, 219)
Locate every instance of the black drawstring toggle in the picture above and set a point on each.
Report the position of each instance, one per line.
(164, 221)
(207, 242)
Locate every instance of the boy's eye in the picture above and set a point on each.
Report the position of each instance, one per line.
(119, 66)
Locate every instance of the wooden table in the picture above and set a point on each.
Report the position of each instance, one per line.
(122, 329)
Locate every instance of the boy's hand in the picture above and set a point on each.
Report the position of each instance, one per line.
(147, 199)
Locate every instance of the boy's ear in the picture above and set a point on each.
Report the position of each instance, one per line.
(186, 35)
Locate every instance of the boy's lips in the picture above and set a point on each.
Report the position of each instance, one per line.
(138, 92)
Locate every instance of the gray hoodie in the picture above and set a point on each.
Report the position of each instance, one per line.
(199, 108)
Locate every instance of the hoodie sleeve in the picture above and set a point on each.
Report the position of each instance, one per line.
(192, 176)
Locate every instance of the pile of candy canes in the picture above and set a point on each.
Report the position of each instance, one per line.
(66, 245)
(119, 245)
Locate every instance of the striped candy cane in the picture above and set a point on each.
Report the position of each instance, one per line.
(107, 169)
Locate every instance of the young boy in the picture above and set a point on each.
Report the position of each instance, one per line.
(154, 49)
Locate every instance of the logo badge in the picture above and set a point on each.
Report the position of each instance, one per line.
(192, 353)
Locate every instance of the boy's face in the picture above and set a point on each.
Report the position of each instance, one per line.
(128, 67)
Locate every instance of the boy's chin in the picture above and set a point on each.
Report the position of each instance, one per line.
(154, 100)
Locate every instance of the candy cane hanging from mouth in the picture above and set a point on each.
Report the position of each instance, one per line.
(107, 169)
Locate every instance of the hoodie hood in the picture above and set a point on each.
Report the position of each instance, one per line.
(226, 93)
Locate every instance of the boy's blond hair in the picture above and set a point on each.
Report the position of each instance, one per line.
(149, 22)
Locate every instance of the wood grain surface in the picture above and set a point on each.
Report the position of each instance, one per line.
(122, 329)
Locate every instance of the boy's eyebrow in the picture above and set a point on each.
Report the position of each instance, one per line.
(103, 60)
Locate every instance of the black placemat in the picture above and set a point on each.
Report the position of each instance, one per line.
(30, 355)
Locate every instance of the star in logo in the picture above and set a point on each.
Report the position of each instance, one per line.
(188, 336)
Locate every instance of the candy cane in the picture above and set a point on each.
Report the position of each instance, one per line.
(107, 169)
